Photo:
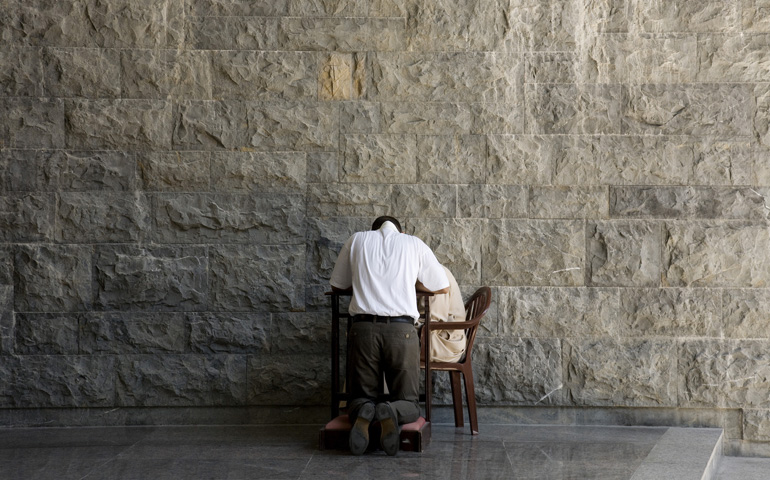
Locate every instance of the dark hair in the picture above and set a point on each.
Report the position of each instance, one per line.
(380, 220)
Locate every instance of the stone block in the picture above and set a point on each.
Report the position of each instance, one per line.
(64, 24)
(457, 244)
(568, 202)
(329, 8)
(305, 126)
(22, 75)
(642, 59)
(711, 109)
(378, 158)
(27, 217)
(50, 381)
(574, 109)
(689, 203)
(82, 72)
(258, 172)
(174, 171)
(624, 253)
(684, 16)
(534, 253)
(130, 23)
(609, 16)
(30, 170)
(289, 379)
(321, 167)
(180, 380)
(745, 313)
(360, 117)
(492, 201)
(348, 200)
(215, 125)
(387, 8)
(335, 79)
(239, 8)
(756, 425)
(102, 217)
(160, 74)
(724, 373)
(755, 16)
(521, 159)
(90, 171)
(709, 254)
(518, 371)
(669, 312)
(309, 333)
(446, 159)
(229, 218)
(532, 312)
(445, 77)
(417, 118)
(243, 75)
(232, 33)
(46, 334)
(151, 278)
(425, 201)
(7, 318)
(52, 278)
(32, 122)
(118, 124)
(249, 278)
(118, 333)
(733, 58)
(212, 333)
(615, 372)
(550, 67)
(341, 34)
(497, 118)
(720, 162)
(761, 129)
(324, 240)
(6, 266)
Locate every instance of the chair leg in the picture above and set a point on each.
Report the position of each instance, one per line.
(471, 399)
(457, 398)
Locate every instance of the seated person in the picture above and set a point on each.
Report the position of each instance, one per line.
(447, 345)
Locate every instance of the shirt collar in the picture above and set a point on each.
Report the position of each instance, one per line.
(389, 226)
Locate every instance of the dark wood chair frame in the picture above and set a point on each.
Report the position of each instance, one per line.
(475, 309)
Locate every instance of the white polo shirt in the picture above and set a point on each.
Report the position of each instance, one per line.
(383, 267)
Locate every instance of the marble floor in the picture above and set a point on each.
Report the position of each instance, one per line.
(291, 452)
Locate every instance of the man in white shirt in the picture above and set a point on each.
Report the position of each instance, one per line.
(383, 267)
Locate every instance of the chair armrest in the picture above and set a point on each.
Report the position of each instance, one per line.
(451, 325)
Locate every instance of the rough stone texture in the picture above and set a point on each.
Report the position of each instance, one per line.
(180, 380)
(46, 334)
(724, 373)
(133, 333)
(601, 372)
(177, 177)
(159, 278)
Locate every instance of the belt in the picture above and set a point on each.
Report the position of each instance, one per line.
(382, 319)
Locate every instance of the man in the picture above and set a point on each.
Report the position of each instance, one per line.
(383, 267)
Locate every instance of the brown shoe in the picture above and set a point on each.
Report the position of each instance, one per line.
(359, 434)
(389, 438)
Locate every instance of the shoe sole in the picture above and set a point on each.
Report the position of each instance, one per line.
(359, 434)
(389, 439)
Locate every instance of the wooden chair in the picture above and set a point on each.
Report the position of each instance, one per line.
(475, 309)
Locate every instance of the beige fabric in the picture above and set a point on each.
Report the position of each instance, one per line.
(447, 345)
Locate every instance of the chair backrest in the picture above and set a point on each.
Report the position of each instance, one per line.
(475, 309)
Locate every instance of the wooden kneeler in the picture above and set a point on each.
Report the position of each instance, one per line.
(334, 435)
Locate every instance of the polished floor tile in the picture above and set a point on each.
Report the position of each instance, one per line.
(291, 452)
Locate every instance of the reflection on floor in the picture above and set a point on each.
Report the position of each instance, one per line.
(291, 452)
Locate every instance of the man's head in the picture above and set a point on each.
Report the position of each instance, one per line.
(380, 220)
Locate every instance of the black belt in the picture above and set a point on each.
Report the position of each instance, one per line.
(382, 319)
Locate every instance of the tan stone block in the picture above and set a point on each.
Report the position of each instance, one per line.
(686, 16)
(622, 253)
(746, 313)
(534, 252)
(379, 158)
(335, 80)
(569, 202)
(669, 312)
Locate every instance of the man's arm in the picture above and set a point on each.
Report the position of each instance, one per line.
(421, 288)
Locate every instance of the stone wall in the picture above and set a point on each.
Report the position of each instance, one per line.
(178, 176)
